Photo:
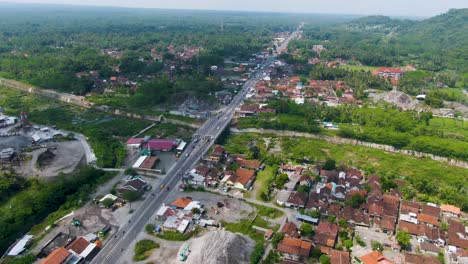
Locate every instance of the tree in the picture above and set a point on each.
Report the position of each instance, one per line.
(281, 180)
(377, 246)
(403, 238)
(131, 196)
(330, 164)
(108, 202)
(130, 171)
(356, 200)
(324, 259)
(303, 189)
(277, 237)
(307, 229)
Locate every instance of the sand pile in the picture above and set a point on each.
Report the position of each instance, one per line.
(218, 247)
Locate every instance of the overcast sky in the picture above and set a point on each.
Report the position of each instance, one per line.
(361, 7)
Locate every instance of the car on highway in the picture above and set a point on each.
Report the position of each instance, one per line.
(161, 186)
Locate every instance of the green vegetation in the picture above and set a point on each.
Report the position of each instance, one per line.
(382, 125)
(108, 202)
(277, 237)
(403, 238)
(427, 180)
(266, 211)
(131, 196)
(103, 131)
(24, 259)
(324, 259)
(377, 246)
(143, 249)
(437, 44)
(46, 202)
(257, 254)
(169, 130)
(176, 236)
(264, 180)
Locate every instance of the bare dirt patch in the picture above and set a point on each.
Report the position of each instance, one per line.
(63, 157)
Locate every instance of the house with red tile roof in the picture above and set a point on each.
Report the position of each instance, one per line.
(245, 178)
(457, 235)
(181, 202)
(428, 219)
(290, 230)
(339, 257)
(450, 210)
(250, 164)
(294, 247)
(296, 200)
(78, 245)
(326, 234)
(375, 257)
(218, 153)
(418, 259)
(58, 256)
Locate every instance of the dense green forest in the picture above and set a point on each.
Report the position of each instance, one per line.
(49, 47)
(36, 199)
(384, 125)
(438, 45)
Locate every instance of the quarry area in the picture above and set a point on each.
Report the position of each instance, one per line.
(34, 150)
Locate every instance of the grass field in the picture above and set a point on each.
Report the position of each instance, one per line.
(451, 127)
(264, 178)
(144, 248)
(359, 68)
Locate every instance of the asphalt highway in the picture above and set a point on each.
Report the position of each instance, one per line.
(204, 138)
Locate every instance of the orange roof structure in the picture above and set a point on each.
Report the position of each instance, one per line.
(181, 202)
(375, 257)
(251, 164)
(450, 209)
(428, 219)
(245, 175)
(295, 246)
(57, 256)
(78, 245)
(149, 163)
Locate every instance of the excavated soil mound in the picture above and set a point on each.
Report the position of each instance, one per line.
(218, 247)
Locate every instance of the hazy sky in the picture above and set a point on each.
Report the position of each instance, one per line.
(383, 7)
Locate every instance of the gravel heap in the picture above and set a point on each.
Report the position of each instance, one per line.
(218, 247)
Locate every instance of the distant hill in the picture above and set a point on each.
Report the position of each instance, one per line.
(438, 43)
(449, 30)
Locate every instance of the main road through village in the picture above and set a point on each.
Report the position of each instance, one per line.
(204, 138)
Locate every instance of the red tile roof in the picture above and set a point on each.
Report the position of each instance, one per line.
(181, 202)
(290, 229)
(295, 246)
(339, 257)
(245, 175)
(160, 144)
(78, 245)
(57, 256)
(149, 162)
(450, 209)
(132, 141)
(428, 219)
(250, 164)
(418, 259)
(375, 257)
